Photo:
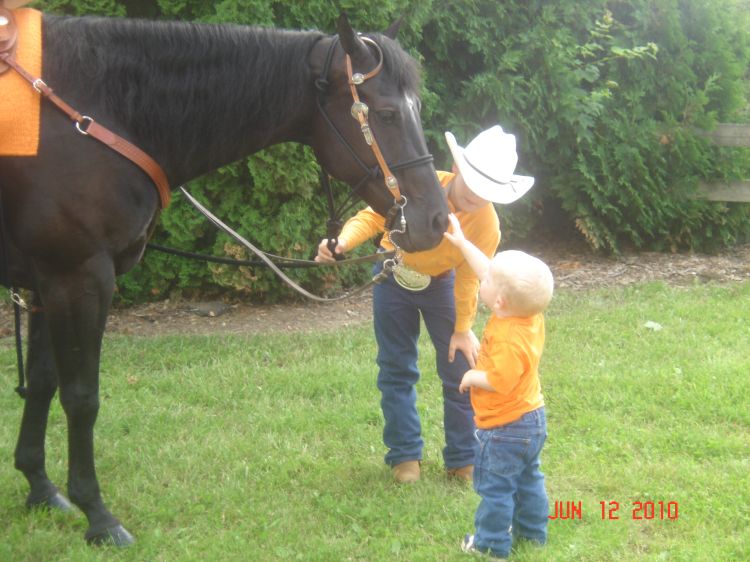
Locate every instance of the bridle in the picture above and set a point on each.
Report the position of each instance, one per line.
(360, 112)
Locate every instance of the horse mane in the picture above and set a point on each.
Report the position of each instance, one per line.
(151, 75)
(173, 85)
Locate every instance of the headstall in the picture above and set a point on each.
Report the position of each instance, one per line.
(360, 112)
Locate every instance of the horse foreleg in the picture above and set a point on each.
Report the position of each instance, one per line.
(41, 377)
(76, 304)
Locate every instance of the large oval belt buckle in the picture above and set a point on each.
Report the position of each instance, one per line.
(409, 279)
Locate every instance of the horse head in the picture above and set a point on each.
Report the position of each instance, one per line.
(369, 104)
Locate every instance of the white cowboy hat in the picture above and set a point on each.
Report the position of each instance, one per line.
(13, 4)
(487, 164)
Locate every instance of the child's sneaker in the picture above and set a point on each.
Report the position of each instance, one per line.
(467, 545)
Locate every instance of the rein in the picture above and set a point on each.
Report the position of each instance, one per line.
(280, 261)
(283, 262)
(267, 260)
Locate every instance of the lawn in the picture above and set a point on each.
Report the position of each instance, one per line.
(269, 447)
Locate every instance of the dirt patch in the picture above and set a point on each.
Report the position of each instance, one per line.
(575, 268)
(204, 318)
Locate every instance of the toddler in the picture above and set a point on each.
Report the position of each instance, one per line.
(507, 399)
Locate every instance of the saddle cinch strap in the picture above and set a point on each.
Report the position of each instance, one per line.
(8, 36)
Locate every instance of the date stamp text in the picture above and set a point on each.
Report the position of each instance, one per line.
(611, 510)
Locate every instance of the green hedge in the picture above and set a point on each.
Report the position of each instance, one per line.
(603, 97)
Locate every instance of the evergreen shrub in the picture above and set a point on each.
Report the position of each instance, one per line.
(603, 96)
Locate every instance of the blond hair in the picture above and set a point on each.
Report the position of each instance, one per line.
(524, 282)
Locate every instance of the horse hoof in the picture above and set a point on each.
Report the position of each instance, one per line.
(113, 536)
(55, 502)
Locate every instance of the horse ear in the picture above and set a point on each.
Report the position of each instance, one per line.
(351, 42)
(392, 30)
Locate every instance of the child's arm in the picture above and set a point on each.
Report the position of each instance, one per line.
(473, 255)
(477, 378)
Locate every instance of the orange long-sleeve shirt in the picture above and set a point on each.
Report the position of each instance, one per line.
(481, 227)
(509, 353)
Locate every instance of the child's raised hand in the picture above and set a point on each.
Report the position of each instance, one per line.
(455, 235)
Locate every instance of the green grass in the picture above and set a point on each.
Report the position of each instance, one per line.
(269, 448)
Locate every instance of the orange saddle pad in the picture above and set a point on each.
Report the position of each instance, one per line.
(19, 102)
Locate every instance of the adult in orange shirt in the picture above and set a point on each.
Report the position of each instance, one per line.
(440, 286)
(507, 399)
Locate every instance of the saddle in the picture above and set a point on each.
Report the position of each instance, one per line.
(8, 36)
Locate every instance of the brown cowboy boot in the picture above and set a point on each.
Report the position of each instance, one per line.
(465, 473)
(406, 472)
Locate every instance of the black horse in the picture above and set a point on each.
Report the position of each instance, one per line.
(194, 97)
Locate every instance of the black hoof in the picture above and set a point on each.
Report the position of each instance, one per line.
(114, 536)
(55, 501)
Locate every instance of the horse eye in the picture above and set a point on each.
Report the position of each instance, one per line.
(387, 116)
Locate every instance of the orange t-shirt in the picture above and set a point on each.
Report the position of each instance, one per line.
(509, 353)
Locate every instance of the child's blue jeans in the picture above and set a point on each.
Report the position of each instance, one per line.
(508, 479)
(396, 315)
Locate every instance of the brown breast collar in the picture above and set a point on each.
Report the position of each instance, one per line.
(83, 123)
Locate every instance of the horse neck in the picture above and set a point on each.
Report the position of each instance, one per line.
(195, 97)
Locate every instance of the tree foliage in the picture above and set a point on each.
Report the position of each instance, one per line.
(603, 96)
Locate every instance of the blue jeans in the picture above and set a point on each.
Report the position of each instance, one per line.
(396, 314)
(508, 479)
